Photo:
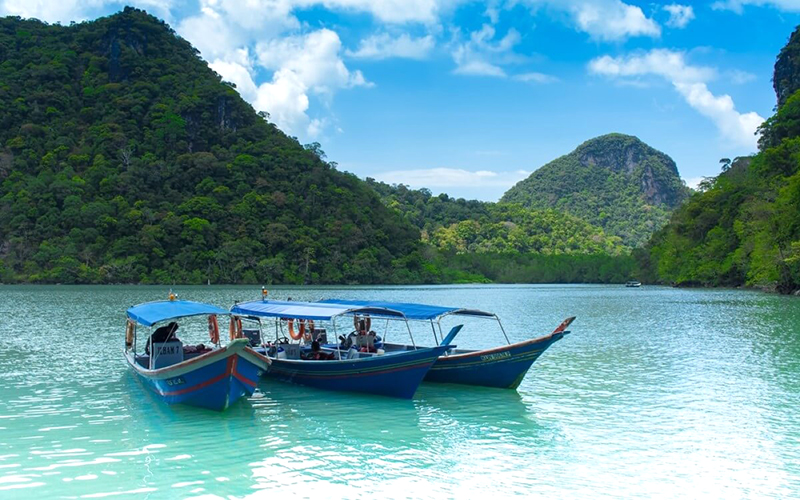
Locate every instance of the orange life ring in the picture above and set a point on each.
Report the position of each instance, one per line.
(129, 329)
(213, 329)
(235, 328)
(301, 333)
(368, 323)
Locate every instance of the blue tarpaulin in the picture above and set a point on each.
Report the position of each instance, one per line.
(315, 311)
(151, 313)
(411, 311)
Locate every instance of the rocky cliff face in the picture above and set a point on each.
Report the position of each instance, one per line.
(786, 78)
(615, 181)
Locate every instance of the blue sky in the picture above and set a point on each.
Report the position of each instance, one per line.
(466, 97)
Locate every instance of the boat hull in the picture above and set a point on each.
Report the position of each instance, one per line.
(395, 375)
(214, 380)
(502, 367)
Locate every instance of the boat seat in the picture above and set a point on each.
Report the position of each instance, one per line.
(166, 354)
(254, 336)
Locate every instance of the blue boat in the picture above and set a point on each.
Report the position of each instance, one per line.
(213, 376)
(306, 357)
(502, 367)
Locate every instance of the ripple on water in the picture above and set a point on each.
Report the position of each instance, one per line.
(658, 393)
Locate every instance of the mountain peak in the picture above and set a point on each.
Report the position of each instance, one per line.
(615, 181)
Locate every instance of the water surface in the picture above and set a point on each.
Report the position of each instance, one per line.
(657, 393)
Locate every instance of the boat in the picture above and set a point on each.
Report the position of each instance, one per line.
(633, 284)
(210, 376)
(502, 367)
(301, 352)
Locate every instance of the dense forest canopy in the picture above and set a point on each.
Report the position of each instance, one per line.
(124, 158)
(507, 243)
(744, 227)
(469, 226)
(614, 181)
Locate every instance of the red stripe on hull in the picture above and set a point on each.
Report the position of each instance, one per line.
(227, 373)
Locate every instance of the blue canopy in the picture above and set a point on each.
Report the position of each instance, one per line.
(315, 311)
(151, 313)
(411, 311)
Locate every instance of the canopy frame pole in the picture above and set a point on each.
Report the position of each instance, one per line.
(410, 335)
(503, 329)
(441, 334)
(433, 327)
(153, 356)
(336, 336)
(261, 334)
(386, 331)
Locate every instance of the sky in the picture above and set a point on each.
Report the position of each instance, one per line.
(468, 98)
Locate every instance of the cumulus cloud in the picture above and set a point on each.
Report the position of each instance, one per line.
(64, 11)
(607, 20)
(679, 15)
(243, 39)
(482, 55)
(738, 5)
(452, 177)
(691, 83)
(740, 128)
(390, 11)
(385, 46)
(662, 62)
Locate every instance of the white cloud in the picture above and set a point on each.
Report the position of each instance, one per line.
(452, 177)
(385, 46)
(534, 77)
(737, 5)
(690, 82)
(242, 39)
(482, 55)
(679, 15)
(740, 128)
(693, 182)
(390, 11)
(662, 62)
(606, 20)
(313, 57)
(64, 11)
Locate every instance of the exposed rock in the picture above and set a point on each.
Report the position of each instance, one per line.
(786, 78)
(615, 181)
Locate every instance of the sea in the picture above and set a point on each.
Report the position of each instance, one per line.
(656, 393)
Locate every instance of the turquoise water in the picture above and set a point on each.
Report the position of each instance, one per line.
(657, 393)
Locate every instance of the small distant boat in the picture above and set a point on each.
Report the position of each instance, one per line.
(633, 284)
(212, 377)
(309, 359)
(501, 367)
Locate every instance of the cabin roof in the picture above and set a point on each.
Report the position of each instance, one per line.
(315, 311)
(411, 310)
(151, 313)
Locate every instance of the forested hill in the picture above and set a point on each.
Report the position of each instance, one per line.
(469, 226)
(614, 181)
(744, 227)
(506, 242)
(124, 158)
